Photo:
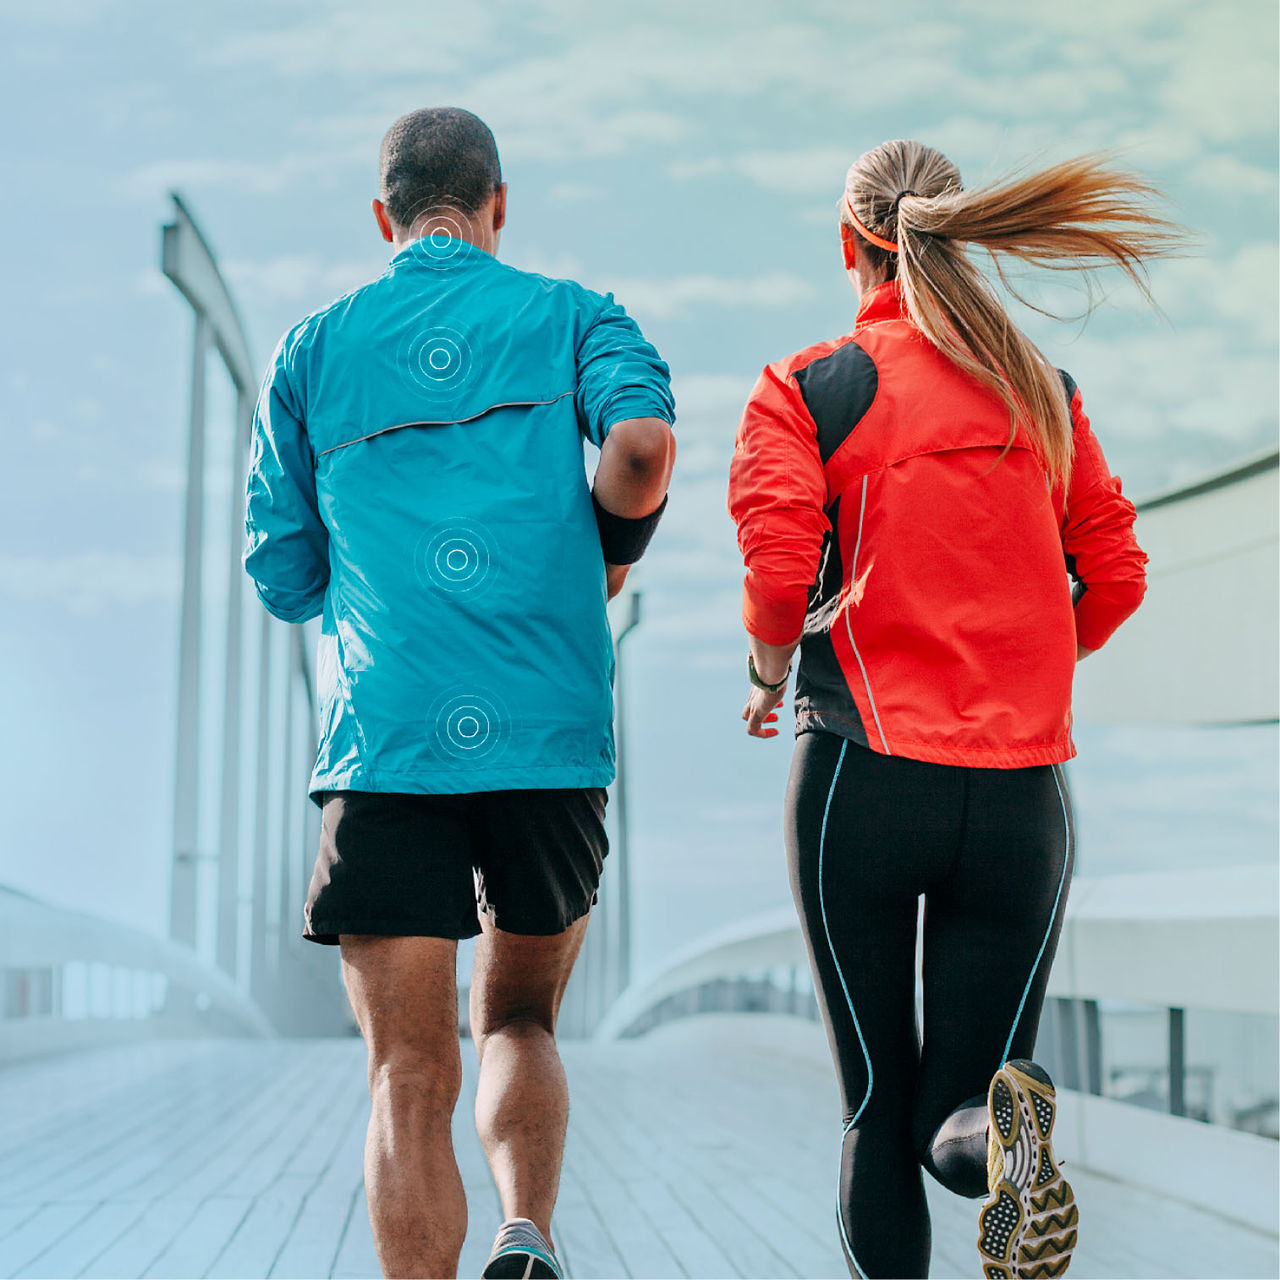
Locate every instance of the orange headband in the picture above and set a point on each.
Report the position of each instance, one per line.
(871, 236)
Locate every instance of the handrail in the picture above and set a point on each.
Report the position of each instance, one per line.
(1268, 460)
(187, 259)
(39, 939)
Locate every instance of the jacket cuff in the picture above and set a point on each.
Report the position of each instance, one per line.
(777, 622)
(1097, 619)
(292, 606)
(636, 402)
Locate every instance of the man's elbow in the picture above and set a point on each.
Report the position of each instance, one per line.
(644, 447)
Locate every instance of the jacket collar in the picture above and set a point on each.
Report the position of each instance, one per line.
(437, 252)
(884, 302)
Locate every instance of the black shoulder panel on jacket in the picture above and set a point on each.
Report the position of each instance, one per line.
(838, 390)
(1069, 383)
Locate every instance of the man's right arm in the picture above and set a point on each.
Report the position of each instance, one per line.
(287, 544)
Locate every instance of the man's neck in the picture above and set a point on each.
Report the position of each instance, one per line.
(440, 223)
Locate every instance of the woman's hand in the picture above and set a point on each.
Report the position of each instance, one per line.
(772, 664)
(761, 711)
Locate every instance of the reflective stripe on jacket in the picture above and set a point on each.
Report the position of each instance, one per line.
(927, 572)
(417, 478)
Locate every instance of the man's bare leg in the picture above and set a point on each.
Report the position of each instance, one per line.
(404, 993)
(522, 1100)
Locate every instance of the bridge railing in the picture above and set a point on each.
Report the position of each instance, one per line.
(73, 981)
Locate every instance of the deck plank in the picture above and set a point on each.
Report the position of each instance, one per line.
(356, 1254)
(146, 1231)
(705, 1149)
(311, 1245)
(23, 1246)
(588, 1248)
(253, 1249)
(70, 1253)
(636, 1236)
(193, 1250)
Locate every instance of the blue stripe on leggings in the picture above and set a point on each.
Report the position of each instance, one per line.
(1053, 915)
(844, 986)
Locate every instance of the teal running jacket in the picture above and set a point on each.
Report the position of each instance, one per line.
(417, 479)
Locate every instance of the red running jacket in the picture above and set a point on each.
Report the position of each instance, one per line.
(928, 574)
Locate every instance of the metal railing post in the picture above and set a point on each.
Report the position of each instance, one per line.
(262, 779)
(1177, 1062)
(229, 810)
(286, 816)
(622, 874)
(186, 832)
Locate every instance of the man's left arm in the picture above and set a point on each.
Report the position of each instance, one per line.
(287, 549)
(625, 407)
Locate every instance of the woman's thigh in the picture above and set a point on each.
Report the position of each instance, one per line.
(863, 833)
(991, 930)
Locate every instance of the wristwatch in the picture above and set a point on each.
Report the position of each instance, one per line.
(764, 684)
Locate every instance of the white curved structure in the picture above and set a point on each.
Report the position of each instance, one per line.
(1203, 647)
(1142, 938)
(763, 941)
(80, 982)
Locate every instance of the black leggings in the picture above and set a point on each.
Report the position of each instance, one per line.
(991, 851)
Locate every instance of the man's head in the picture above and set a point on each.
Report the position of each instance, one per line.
(439, 169)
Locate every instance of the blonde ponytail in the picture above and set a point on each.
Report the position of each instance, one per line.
(1077, 215)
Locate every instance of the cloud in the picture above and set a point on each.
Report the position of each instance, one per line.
(676, 295)
(272, 176)
(574, 192)
(1230, 177)
(559, 266)
(565, 81)
(662, 297)
(295, 278)
(90, 581)
(342, 40)
(1241, 289)
(1150, 401)
(57, 13)
(1207, 88)
(711, 396)
(790, 170)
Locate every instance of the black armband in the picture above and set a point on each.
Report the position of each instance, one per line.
(624, 541)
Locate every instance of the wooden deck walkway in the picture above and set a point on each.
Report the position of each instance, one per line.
(705, 1149)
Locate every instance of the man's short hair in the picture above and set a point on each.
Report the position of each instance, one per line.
(438, 156)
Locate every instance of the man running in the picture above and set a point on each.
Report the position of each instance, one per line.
(417, 480)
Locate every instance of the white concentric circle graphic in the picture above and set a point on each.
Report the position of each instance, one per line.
(470, 726)
(441, 244)
(439, 358)
(455, 556)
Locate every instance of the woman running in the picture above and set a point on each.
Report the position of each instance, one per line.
(910, 499)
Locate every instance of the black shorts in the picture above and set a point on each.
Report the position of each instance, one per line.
(423, 865)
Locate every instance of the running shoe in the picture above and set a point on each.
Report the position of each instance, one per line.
(1027, 1226)
(521, 1252)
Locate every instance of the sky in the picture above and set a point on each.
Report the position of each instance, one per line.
(686, 157)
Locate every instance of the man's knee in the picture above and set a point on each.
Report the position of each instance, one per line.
(519, 982)
(513, 1018)
(402, 1077)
